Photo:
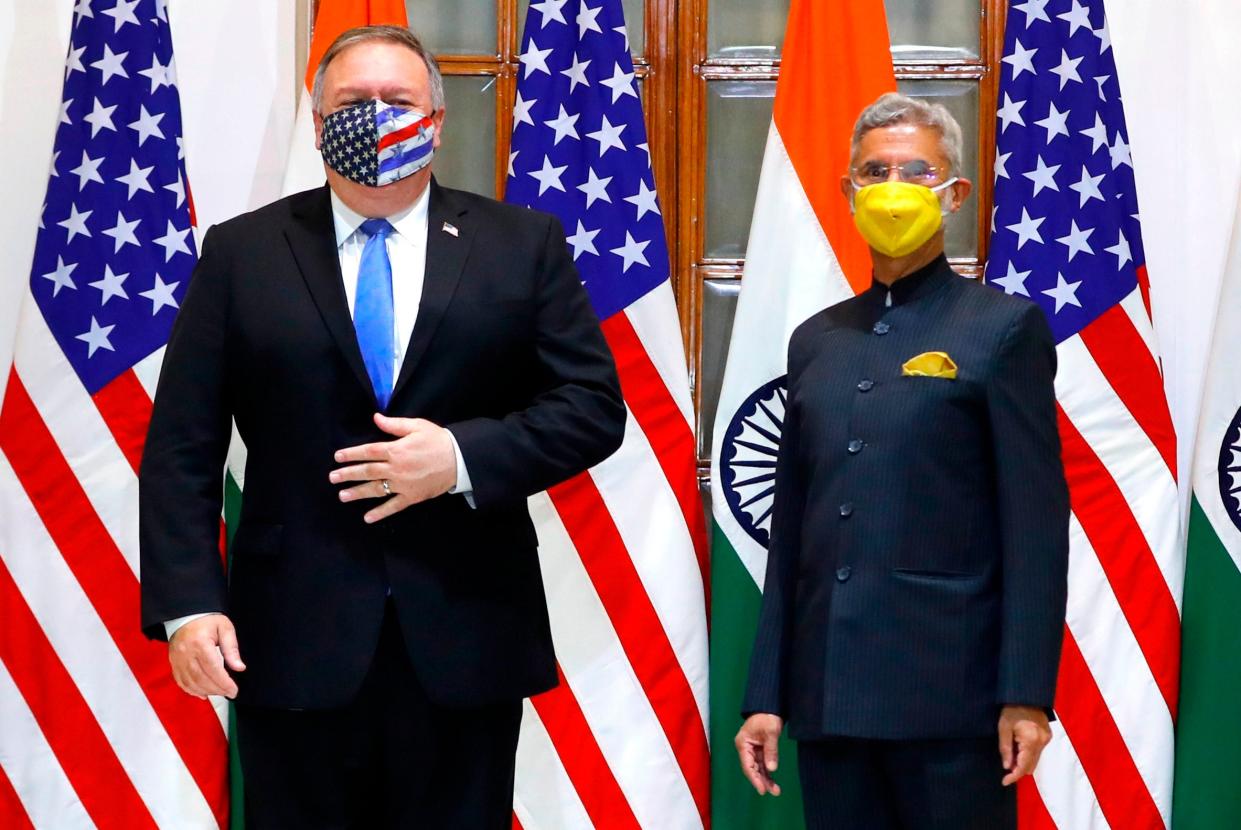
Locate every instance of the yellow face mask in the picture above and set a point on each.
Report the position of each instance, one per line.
(897, 218)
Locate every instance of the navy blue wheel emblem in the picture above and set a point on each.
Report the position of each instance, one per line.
(748, 458)
(1230, 470)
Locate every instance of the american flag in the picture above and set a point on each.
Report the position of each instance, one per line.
(95, 733)
(1066, 234)
(623, 741)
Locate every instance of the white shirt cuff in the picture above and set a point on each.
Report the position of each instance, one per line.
(171, 626)
(463, 487)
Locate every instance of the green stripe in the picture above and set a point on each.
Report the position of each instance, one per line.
(735, 601)
(1207, 794)
(237, 821)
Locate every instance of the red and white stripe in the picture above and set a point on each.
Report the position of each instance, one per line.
(623, 741)
(1110, 764)
(95, 733)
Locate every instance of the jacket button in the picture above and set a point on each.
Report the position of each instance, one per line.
(866, 385)
(856, 445)
(846, 510)
(843, 573)
(881, 328)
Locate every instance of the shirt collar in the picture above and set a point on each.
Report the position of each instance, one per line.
(916, 285)
(410, 223)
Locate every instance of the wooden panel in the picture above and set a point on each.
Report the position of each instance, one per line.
(659, 97)
(995, 12)
(507, 36)
(691, 159)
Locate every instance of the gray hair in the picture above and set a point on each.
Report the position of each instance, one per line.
(892, 109)
(390, 34)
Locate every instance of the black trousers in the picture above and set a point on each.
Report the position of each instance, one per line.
(389, 761)
(853, 784)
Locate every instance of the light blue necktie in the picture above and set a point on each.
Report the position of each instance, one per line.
(372, 309)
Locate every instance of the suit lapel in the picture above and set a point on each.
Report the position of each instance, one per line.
(446, 256)
(312, 238)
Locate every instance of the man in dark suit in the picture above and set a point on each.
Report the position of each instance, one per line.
(916, 577)
(406, 365)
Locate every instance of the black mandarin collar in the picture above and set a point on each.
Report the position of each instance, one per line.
(916, 285)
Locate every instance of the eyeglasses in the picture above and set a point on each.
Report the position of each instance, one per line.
(916, 171)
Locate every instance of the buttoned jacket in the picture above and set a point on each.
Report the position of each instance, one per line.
(506, 352)
(916, 573)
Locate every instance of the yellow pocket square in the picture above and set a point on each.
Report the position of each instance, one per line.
(930, 365)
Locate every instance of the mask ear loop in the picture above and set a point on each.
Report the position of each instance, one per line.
(938, 189)
(855, 190)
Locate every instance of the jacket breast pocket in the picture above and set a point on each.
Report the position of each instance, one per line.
(931, 397)
(257, 539)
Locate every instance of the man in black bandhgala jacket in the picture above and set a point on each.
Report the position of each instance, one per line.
(914, 601)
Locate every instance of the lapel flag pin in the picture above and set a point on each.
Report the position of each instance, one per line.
(451, 229)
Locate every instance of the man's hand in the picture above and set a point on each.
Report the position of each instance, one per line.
(759, 752)
(419, 465)
(199, 651)
(1024, 731)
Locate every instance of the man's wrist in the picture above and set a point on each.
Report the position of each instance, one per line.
(463, 485)
(1032, 710)
(173, 626)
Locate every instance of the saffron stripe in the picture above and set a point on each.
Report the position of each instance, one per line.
(663, 424)
(814, 113)
(334, 19)
(12, 814)
(587, 768)
(126, 409)
(100, 569)
(1123, 357)
(66, 721)
(1126, 557)
(1118, 787)
(639, 628)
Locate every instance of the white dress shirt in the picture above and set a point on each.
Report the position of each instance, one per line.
(407, 251)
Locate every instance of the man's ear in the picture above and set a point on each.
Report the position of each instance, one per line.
(318, 131)
(846, 188)
(961, 190)
(438, 120)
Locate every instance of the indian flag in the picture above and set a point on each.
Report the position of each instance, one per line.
(804, 255)
(305, 167)
(1207, 794)
(303, 172)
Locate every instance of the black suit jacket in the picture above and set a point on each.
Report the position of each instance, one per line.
(916, 575)
(506, 353)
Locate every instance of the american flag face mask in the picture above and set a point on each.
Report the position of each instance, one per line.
(376, 144)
